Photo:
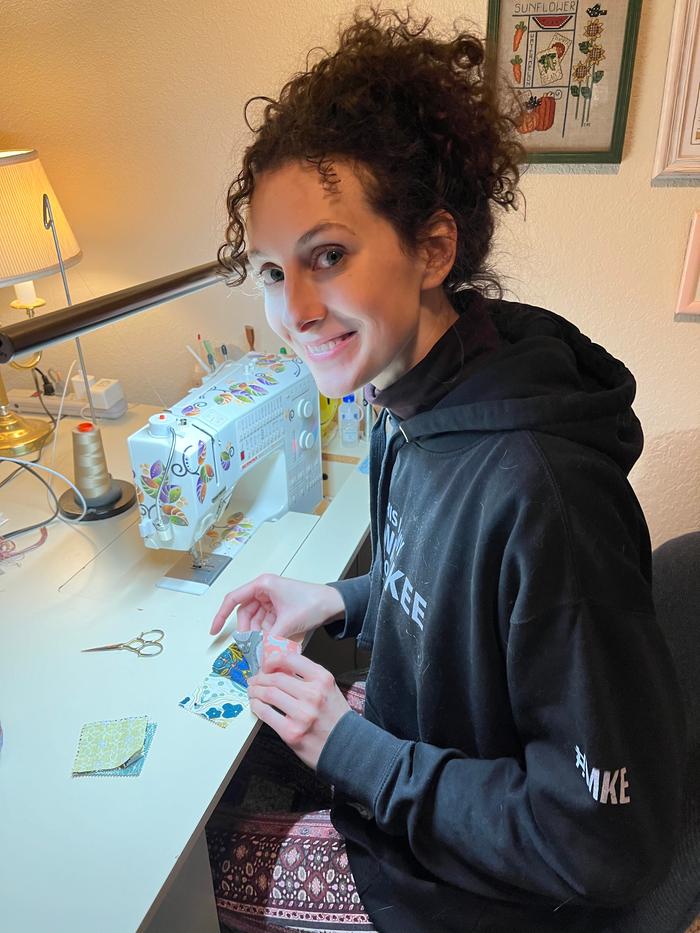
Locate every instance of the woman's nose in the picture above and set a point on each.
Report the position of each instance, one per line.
(302, 304)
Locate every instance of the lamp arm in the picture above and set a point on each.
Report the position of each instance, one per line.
(74, 321)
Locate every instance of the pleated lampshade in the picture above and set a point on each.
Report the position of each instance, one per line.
(27, 249)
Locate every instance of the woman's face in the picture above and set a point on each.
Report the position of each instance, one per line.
(338, 287)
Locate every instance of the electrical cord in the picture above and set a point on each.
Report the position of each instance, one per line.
(20, 531)
(39, 466)
(41, 397)
(10, 476)
(40, 451)
(32, 467)
(49, 388)
(19, 469)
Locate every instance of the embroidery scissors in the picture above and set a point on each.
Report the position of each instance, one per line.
(143, 645)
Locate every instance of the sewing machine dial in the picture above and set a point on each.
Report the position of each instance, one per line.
(305, 408)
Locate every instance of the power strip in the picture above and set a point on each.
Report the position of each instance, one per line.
(27, 400)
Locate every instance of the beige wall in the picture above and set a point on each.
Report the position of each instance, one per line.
(135, 109)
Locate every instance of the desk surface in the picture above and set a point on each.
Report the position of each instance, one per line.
(97, 852)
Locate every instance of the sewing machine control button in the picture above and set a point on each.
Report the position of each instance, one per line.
(160, 425)
(305, 408)
(306, 440)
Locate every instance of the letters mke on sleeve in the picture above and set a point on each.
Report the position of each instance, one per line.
(606, 786)
(395, 581)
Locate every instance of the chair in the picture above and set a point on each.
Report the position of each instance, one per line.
(673, 905)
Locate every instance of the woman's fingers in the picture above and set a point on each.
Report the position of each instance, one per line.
(297, 665)
(272, 695)
(286, 683)
(286, 708)
(272, 717)
(250, 597)
(256, 614)
(306, 694)
(229, 603)
(300, 701)
(219, 619)
(282, 607)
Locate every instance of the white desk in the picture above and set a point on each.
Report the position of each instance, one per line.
(123, 853)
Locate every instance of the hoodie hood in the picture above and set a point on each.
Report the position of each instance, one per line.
(547, 377)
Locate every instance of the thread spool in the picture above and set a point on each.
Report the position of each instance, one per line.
(104, 496)
(92, 477)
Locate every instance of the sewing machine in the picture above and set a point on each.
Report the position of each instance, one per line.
(242, 449)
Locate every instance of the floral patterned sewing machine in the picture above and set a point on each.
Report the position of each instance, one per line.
(241, 449)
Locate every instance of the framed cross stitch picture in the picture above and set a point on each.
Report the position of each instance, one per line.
(678, 145)
(569, 64)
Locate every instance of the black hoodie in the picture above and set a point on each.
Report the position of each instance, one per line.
(520, 761)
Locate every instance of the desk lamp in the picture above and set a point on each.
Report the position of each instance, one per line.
(36, 240)
(28, 251)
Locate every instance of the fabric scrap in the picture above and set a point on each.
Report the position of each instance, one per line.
(132, 770)
(217, 699)
(110, 744)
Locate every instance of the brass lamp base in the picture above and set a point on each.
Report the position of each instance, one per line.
(20, 436)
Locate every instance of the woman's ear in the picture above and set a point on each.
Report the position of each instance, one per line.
(438, 247)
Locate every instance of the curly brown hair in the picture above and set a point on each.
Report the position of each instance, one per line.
(419, 115)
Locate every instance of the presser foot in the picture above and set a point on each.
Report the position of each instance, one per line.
(185, 577)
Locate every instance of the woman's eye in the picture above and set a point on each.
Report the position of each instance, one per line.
(327, 258)
(270, 275)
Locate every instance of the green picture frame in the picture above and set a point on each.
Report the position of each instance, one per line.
(570, 64)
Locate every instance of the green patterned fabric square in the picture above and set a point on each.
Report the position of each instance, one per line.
(109, 744)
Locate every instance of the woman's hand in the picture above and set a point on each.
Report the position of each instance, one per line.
(285, 608)
(300, 700)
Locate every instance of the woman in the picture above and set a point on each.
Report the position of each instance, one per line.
(519, 761)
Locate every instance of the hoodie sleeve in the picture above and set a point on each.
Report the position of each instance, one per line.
(587, 808)
(571, 819)
(355, 594)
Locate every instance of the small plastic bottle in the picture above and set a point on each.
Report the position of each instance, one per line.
(349, 415)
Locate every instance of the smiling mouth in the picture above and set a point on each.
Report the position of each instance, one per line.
(322, 348)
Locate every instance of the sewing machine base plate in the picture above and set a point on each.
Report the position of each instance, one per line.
(186, 578)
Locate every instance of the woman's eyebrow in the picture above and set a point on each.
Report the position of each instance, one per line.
(320, 228)
(305, 237)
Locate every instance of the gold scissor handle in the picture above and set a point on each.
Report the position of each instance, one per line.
(144, 646)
